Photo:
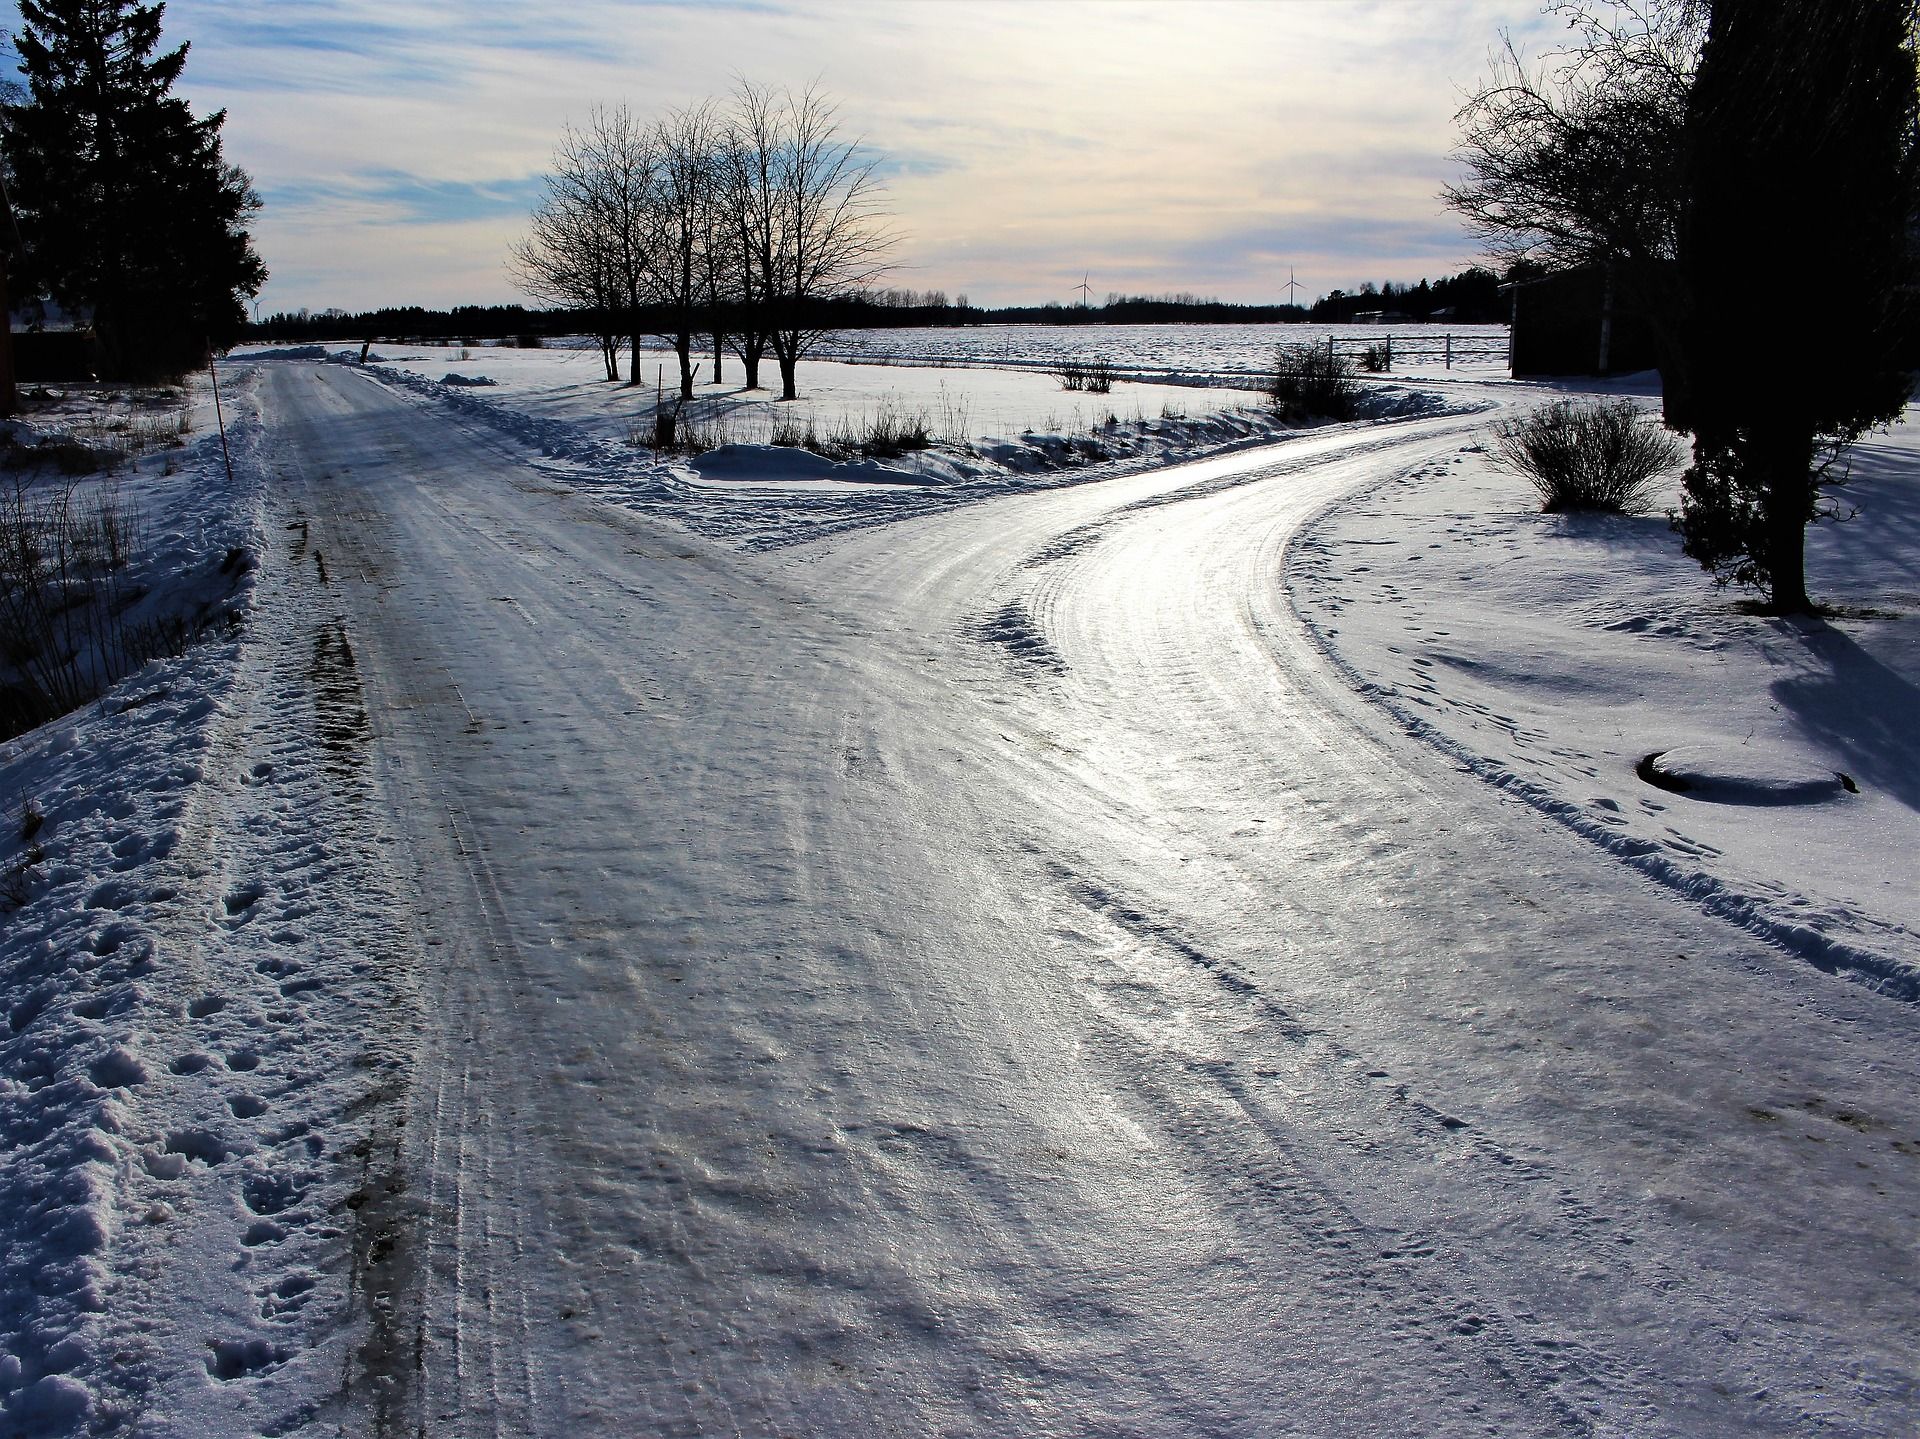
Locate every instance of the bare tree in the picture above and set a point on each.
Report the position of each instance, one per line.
(593, 231)
(1578, 162)
(811, 216)
(747, 186)
(746, 229)
(564, 260)
(680, 223)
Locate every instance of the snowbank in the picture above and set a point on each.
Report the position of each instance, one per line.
(94, 805)
(206, 996)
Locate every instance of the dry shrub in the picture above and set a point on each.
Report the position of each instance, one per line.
(1309, 382)
(1593, 455)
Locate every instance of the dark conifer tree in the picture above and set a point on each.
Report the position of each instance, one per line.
(1799, 139)
(126, 204)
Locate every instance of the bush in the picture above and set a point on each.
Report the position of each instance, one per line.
(1600, 455)
(1307, 382)
(1095, 377)
(1374, 359)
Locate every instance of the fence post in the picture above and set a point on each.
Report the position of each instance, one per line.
(1389, 354)
(1449, 352)
(1329, 352)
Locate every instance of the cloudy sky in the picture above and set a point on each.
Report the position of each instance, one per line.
(1155, 146)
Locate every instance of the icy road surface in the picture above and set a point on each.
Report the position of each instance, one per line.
(986, 975)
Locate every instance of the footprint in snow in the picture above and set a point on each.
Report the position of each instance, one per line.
(240, 903)
(230, 1359)
(117, 1069)
(201, 1144)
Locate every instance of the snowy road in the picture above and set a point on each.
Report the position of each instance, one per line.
(987, 974)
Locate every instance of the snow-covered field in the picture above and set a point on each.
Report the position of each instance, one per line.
(569, 385)
(1033, 939)
(1181, 354)
(996, 432)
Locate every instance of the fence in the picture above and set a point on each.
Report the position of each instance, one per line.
(1381, 352)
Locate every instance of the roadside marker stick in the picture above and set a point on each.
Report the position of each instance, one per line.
(219, 417)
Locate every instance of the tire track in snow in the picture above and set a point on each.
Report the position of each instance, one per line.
(464, 1229)
(1425, 1284)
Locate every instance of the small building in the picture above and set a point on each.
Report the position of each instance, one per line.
(54, 356)
(52, 346)
(1575, 322)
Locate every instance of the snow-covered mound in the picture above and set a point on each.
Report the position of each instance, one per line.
(783, 464)
(1744, 774)
(474, 381)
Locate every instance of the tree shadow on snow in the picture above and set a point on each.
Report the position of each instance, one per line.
(1859, 709)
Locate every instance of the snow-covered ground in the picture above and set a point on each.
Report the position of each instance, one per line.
(570, 384)
(204, 1028)
(1560, 656)
(996, 432)
(958, 950)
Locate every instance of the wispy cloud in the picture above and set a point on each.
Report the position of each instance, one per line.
(1201, 145)
(391, 198)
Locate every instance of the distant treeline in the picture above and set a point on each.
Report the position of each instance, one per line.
(1469, 298)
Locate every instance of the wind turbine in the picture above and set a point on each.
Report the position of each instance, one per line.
(1086, 290)
(1291, 285)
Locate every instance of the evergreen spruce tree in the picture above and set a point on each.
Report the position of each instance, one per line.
(1799, 143)
(126, 204)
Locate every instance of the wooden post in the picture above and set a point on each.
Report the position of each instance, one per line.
(219, 415)
(1329, 352)
(9, 397)
(1389, 354)
(1449, 352)
(1605, 361)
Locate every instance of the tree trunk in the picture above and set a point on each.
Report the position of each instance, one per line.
(633, 365)
(1789, 482)
(750, 348)
(719, 341)
(787, 388)
(683, 349)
